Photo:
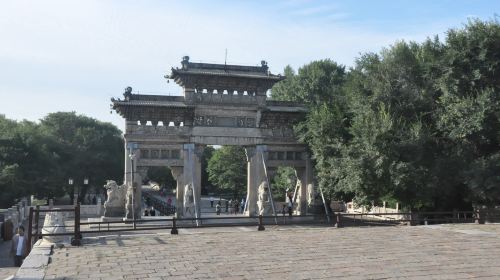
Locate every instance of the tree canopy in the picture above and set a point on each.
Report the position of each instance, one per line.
(39, 158)
(416, 123)
(227, 170)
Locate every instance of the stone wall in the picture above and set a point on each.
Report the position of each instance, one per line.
(17, 214)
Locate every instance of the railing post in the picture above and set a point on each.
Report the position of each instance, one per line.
(30, 229)
(412, 219)
(174, 226)
(37, 219)
(338, 220)
(261, 225)
(76, 240)
(479, 216)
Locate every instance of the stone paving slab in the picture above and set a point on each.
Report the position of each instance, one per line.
(432, 252)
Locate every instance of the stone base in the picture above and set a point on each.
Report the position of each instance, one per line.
(114, 212)
(128, 220)
(109, 219)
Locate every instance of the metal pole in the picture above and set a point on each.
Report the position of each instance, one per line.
(246, 203)
(192, 159)
(296, 186)
(133, 191)
(324, 203)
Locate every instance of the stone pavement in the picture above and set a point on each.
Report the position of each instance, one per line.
(7, 268)
(421, 252)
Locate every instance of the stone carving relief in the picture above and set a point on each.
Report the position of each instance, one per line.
(250, 122)
(209, 120)
(224, 121)
(241, 122)
(199, 120)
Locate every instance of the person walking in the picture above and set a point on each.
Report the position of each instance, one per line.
(227, 205)
(211, 201)
(19, 247)
(236, 207)
(217, 208)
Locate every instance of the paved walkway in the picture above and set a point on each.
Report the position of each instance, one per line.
(6, 262)
(422, 252)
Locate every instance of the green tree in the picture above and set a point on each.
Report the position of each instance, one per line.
(227, 170)
(415, 123)
(27, 163)
(316, 83)
(284, 179)
(163, 176)
(206, 185)
(86, 148)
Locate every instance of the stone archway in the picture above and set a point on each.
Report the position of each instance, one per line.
(222, 105)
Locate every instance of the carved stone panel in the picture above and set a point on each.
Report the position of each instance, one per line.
(250, 122)
(144, 153)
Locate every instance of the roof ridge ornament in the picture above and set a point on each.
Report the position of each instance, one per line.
(128, 93)
(185, 62)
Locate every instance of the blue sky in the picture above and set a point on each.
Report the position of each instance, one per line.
(75, 55)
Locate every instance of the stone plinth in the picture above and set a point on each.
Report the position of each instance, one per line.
(54, 223)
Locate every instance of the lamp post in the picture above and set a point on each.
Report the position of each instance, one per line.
(132, 158)
(86, 182)
(70, 182)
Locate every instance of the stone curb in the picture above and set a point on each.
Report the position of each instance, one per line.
(36, 262)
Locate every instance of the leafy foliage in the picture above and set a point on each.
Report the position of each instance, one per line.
(163, 176)
(284, 179)
(39, 158)
(415, 123)
(227, 169)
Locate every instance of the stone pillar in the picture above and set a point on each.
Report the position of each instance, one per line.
(137, 183)
(189, 94)
(177, 173)
(255, 176)
(127, 177)
(192, 179)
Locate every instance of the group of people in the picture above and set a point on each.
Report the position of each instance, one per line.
(150, 212)
(231, 206)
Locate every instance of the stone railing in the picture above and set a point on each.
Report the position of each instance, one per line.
(91, 210)
(17, 214)
(380, 211)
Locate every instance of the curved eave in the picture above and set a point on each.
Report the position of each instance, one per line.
(286, 109)
(140, 103)
(179, 73)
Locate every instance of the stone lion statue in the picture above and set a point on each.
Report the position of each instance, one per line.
(262, 200)
(115, 204)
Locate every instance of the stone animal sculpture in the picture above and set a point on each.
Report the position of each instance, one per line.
(115, 204)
